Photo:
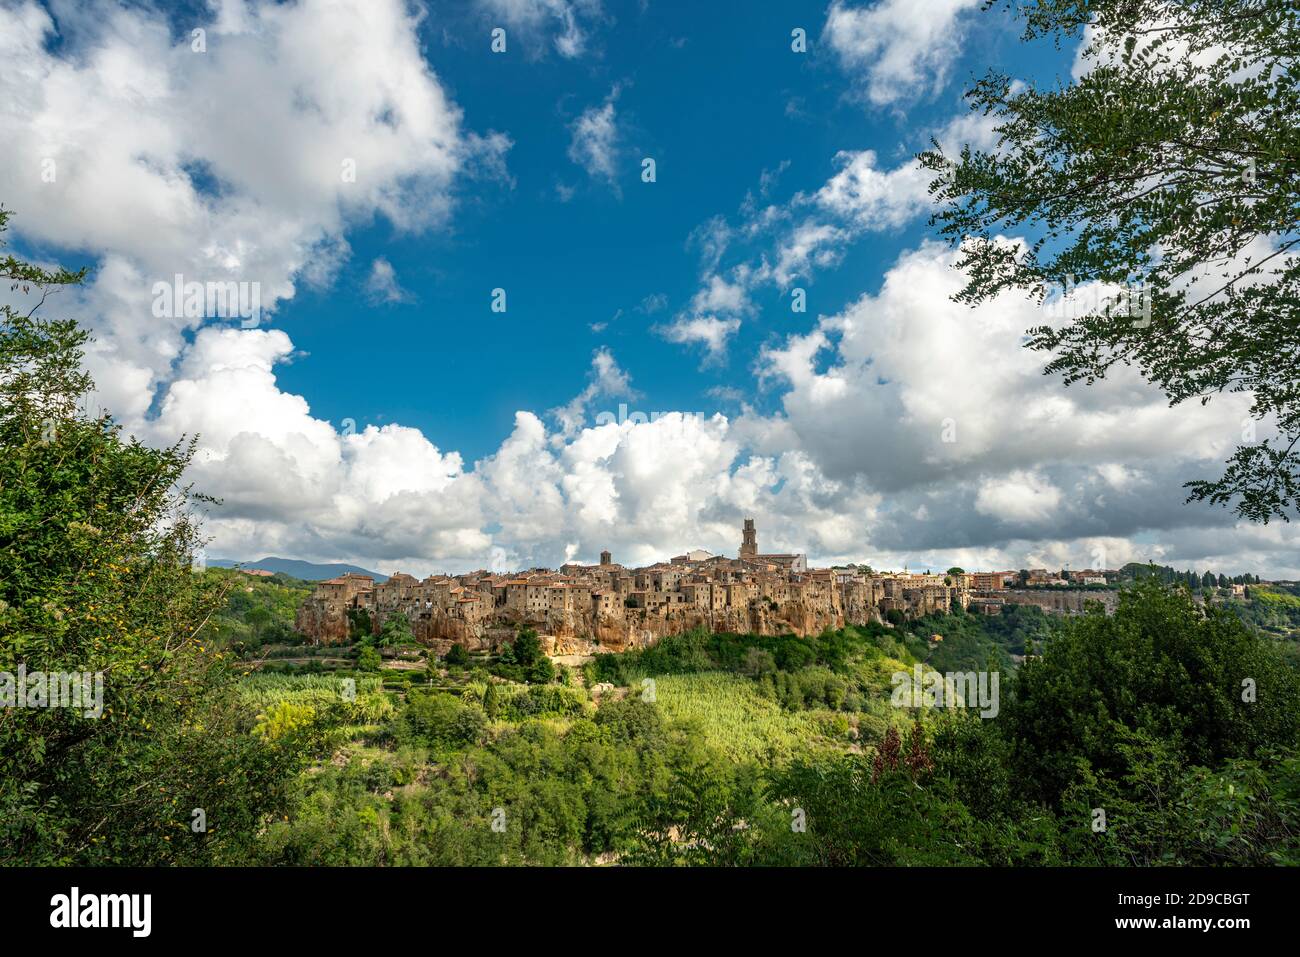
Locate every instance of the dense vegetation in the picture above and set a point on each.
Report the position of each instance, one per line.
(1273, 610)
(258, 612)
(96, 548)
(978, 641)
(729, 749)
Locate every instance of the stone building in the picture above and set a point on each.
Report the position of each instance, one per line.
(586, 608)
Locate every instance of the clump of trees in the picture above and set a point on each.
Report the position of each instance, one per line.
(524, 659)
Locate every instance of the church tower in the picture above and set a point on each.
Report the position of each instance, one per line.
(748, 541)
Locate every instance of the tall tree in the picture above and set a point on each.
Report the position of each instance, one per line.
(1169, 170)
(528, 647)
(396, 630)
(97, 542)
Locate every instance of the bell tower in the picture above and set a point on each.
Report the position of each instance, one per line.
(748, 540)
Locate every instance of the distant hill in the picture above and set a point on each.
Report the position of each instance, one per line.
(308, 571)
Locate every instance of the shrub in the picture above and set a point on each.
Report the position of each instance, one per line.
(368, 659)
(440, 720)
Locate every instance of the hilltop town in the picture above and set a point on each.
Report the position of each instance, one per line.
(583, 608)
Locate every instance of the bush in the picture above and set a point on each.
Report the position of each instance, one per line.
(541, 671)
(368, 659)
(98, 532)
(441, 720)
(631, 720)
(539, 700)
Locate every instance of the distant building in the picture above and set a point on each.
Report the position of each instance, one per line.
(695, 555)
(1041, 576)
(986, 606)
(790, 563)
(581, 608)
(749, 552)
(748, 540)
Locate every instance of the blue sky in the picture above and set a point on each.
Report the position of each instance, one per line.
(382, 413)
(717, 99)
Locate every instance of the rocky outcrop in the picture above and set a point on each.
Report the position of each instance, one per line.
(322, 623)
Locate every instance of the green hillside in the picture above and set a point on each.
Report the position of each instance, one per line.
(258, 610)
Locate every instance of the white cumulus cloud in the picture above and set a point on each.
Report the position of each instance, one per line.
(897, 49)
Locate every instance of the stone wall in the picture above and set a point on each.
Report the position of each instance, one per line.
(1056, 601)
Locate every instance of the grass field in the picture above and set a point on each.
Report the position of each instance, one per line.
(732, 715)
(319, 692)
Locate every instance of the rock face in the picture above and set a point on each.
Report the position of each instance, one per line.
(323, 617)
(640, 628)
(322, 624)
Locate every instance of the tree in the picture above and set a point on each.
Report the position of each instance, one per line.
(457, 656)
(758, 662)
(368, 659)
(491, 701)
(97, 577)
(359, 627)
(1161, 666)
(541, 671)
(1168, 171)
(528, 647)
(956, 570)
(258, 619)
(396, 630)
(441, 720)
